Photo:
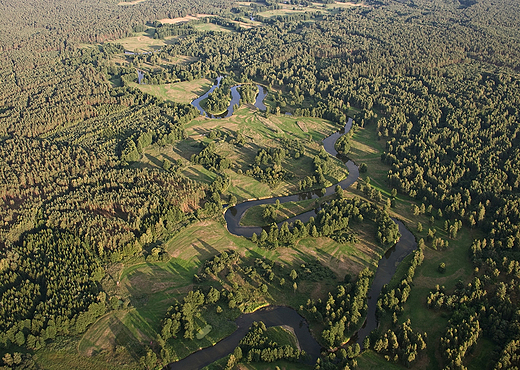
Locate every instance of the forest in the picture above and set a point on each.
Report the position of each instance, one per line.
(114, 250)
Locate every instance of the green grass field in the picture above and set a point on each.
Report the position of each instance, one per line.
(260, 132)
(179, 92)
(153, 287)
(212, 27)
(143, 42)
(370, 360)
(367, 149)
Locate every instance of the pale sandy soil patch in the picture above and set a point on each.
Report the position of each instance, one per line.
(187, 18)
(124, 3)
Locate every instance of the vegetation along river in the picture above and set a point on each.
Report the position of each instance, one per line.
(270, 316)
(275, 316)
(235, 99)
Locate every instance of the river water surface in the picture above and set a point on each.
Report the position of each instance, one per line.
(270, 316)
(275, 316)
(235, 100)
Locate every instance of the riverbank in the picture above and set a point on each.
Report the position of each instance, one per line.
(271, 316)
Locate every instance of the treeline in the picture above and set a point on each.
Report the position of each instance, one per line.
(332, 220)
(392, 300)
(256, 346)
(167, 129)
(401, 345)
(342, 312)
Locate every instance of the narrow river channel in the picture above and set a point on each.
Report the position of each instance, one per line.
(274, 316)
(235, 100)
(270, 316)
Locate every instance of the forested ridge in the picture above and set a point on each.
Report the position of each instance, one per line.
(439, 82)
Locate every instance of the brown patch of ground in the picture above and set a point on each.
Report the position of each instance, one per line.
(302, 126)
(268, 123)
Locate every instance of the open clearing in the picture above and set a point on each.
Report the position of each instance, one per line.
(123, 3)
(212, 27)
(144, 42)
(259, 133)
(179, 92)
(253, 216)
(287, 9)
(188, 18)
(153, 287)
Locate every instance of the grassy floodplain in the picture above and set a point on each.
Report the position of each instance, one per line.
(259, 132)
(153, 287)
(150, 288)
(366, 148)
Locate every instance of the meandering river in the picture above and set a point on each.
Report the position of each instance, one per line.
(274, 316)
(270, 316)
(235, 100)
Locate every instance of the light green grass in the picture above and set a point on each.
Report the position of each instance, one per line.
(222, 323)
(179, 92)
(253, 216)
(142, 42)
(204, 331)
(212, 27)
(288, 9)
(366, 148)
(370, 360)
(281, 336)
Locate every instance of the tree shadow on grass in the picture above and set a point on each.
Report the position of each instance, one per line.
(154, 160)
(206, 250)
(125, 338)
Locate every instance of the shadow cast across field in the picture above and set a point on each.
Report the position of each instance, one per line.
(206, 250)
(186, 148)
(125, 338)
(165, 156)
(200, 175)
(153, 160)
(152, 289)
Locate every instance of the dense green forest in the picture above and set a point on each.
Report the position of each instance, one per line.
(87, 204)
